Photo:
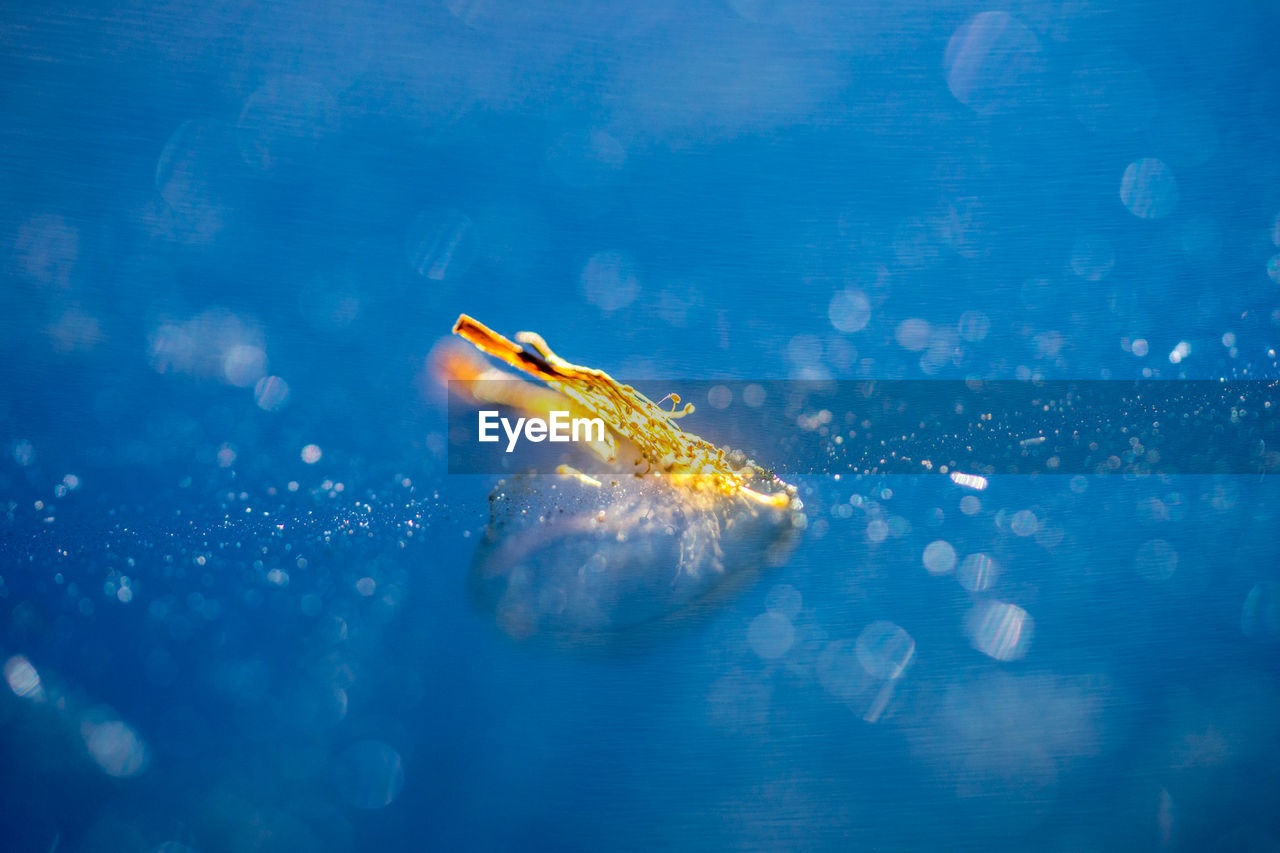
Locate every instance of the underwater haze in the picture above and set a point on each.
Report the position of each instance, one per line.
(246, 607)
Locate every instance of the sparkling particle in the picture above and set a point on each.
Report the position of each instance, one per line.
(1024, 523)
(113, 744)
(330, 302)
(1273, 268)
(805, 350)
(587, 159)
(719, 397)
(1140, 347)
(24, 453)
(840, 672)
(849, 311)
(999, 630)
(884, 650)
(73, 329)
(739, 701)
(271, 393)
(369, 774)
(991, 62)
(23, 679)
(969, 481)
(939, 557)
(311, 454)
(1157, 560)
(1149, 189)
(1181, 351)
(912, 334)
(974, 326)
(1260, 618)
(189, 172)
(610, 281)
(283, 120)
(771, 635)
(1049, 536)
(244, 364)
(784, 599)
(214, 343)
(977, 572)
(46, 249)
(1092, 258)
(442, 244)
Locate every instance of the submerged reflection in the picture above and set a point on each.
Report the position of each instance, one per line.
(864, 673)
(566, 557)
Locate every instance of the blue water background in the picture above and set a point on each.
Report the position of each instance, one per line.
(230, 237)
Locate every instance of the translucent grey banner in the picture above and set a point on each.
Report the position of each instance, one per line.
(917, 426)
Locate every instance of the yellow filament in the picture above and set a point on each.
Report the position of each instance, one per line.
(687, 459)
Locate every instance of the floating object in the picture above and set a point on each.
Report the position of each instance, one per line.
(671, 520)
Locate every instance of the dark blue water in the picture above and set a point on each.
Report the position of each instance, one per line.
(234, 612)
